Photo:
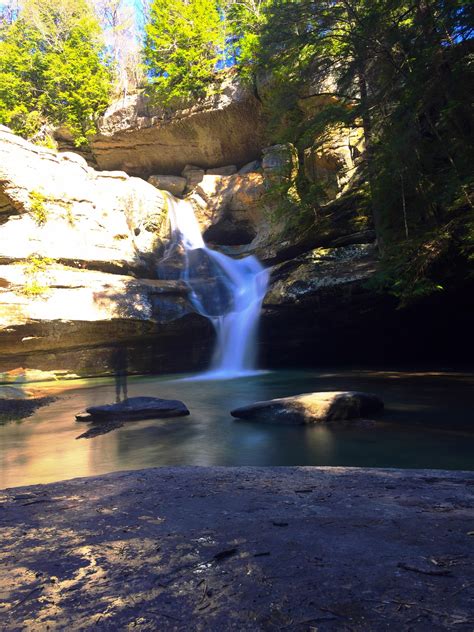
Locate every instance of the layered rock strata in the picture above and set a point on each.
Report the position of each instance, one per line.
(142, 139)
(78, 250)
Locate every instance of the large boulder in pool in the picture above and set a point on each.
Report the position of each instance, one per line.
(135, 408)
(311, 408)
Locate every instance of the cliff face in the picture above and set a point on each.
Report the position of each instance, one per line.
(134, 136)
(54, 205)
(78, 250)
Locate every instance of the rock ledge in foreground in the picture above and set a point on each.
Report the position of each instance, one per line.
(311, 408)
(135, 408)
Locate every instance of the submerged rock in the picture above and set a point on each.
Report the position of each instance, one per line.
(135, 408)
(311, 408)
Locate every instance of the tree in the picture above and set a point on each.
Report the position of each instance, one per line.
(143, 13)
(243, 20)
(53, 68)
(8, 12)
(120, 29)
(183, 45)
(401, 69)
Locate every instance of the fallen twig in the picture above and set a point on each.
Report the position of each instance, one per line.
(163, 614)
(415, 569)
(32, 592)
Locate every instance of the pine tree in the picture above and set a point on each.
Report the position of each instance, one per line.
(184, 42)
(402, 69)
(244, 19)
(53, 68)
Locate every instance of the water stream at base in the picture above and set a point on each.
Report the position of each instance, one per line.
(228, 291)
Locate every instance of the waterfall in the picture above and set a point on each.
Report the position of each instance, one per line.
(228, 291)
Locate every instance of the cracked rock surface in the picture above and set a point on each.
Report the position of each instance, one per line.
(240, 549)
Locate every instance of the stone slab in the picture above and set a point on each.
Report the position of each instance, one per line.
(311, 408)
(135, 408)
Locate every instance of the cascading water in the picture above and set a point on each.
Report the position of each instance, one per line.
(228, 291)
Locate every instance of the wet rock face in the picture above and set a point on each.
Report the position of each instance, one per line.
(301, 278)
(70, 325)
(320, 308)
(312, 408)
(71, 349)
(227, 128)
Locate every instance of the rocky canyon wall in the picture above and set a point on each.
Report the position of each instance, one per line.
(80, 247)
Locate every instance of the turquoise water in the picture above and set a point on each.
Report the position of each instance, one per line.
(428, 423)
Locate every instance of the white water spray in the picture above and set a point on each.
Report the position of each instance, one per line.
(228, 291)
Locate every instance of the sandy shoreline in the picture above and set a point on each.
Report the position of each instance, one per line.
(219, 549)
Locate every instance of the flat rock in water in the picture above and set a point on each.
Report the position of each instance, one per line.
(135, 408)
(311, 408)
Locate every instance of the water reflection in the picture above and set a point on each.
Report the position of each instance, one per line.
(428, 423)
(119, 363)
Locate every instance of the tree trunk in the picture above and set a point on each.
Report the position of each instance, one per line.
(369, 154)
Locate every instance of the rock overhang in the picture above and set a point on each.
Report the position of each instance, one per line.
(142, 139)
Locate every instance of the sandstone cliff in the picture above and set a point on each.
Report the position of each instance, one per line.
(79, 250)
(141, 139)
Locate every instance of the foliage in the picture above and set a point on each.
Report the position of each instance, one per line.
(244, 19)
(53, 68)
(34, 289)
(38, 207)
(402, 71)
(47, 141)
(37, 263)
(399, 70)
(184, 42)
(35, 268)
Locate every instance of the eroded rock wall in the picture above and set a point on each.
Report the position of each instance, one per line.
(141, 139)
(55, 205)
(78, 251)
